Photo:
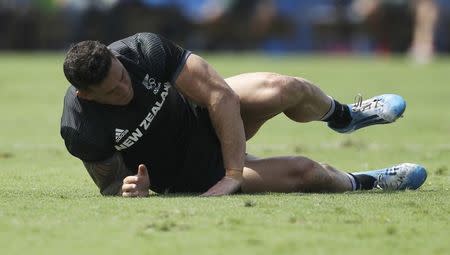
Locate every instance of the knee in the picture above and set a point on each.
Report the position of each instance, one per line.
(328, 167)
(300, 169)
(290, 89)
(306, 174)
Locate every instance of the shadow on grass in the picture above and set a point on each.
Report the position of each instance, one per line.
(198, 195)
(70, 196)
(352, 193)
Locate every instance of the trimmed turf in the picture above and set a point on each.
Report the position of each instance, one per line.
(49, 205)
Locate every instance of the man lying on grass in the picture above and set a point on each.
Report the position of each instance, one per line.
(144, 113)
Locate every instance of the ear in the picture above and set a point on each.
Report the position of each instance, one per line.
(84, 95)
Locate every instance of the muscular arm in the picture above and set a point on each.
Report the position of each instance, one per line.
(108, 175)
(199, 82)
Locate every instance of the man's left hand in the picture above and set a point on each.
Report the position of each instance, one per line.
(226, 186)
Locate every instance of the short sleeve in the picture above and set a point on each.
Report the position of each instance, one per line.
(160, 53)
(81, 141)
(83, 148)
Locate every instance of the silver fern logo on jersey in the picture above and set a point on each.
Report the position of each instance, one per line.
(151, 84)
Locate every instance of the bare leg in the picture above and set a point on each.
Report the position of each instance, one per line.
(292, 174)
(265, 95)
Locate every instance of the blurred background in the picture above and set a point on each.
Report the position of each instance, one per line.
(417, 27)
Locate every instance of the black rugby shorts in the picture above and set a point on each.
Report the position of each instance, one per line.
(203, 165)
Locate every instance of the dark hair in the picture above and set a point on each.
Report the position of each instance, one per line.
(87, 63)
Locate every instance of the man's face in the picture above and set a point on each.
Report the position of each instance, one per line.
(115, 89)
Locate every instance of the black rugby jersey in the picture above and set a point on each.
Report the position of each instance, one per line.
(158, 127)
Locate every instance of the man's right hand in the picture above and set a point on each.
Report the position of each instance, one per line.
(136, 185)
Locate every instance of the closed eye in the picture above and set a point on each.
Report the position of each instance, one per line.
(122, 77)
(110, 92)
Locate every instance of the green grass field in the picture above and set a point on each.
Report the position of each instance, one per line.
(49, 205)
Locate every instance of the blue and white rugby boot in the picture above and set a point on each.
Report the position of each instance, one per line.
(382, 109)
(399, 177)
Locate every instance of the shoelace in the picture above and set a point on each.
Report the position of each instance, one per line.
(387, 181)
(360, 105)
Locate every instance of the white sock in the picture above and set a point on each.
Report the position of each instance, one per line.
(352, 181)
(330, 111)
